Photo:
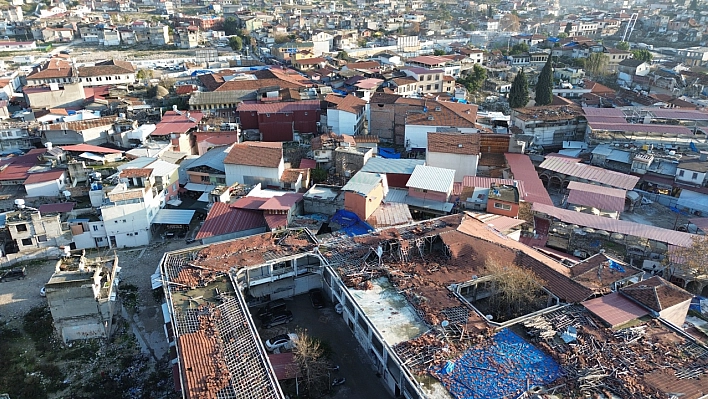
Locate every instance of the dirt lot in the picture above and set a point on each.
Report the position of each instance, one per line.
(36, 364)
(655, 214)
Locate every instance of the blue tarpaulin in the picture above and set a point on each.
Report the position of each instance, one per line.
(693, 147)
(351, 224)
(616, 266)
(388, 153)
(500, 369)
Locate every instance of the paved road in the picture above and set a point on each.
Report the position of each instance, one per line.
(330, 327)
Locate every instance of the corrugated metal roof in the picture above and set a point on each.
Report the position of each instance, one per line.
(486, 182)
(137, 163)
(173, 216)
(384, 165)
(362, 183)
(524, 171)
(57, 208)
(616, 226)
(432, 178)
(204, 188)
(162, 168)
(614, 125)
(588, 172)
(213, 158)
(693, 115)
(223, 219)
(701, 223)
(604, 198)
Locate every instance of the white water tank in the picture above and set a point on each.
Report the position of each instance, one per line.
(67, 194)
(20, 203)
(48, 145)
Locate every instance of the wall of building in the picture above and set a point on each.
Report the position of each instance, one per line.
(237, 234)
(95, 136)
(254, 174)
(428, 195)
(416, 136)
(676, 314)
(381, 120)
(128, 225)
(45, 189)
(123, 79)
(687, 176)
(364, 206)
(37, 232)
(70, 96)
(342, 122)
(463, 165)
(513, 210)
(397, 180)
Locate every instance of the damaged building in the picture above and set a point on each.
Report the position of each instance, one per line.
(417, 299)
(82, 295)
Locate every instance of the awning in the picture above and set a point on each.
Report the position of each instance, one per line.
(174, 202)
(173, 216)
(204, 188)
(91, 156)
(203, 198)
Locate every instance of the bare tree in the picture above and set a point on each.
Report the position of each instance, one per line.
(312, 363)
(596, 63)
(690, 261)
(515, 291)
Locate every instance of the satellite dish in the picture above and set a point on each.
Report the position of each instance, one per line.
(445, 323)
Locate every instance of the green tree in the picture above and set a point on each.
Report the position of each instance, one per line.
(562, 35)
(519, 48)
(230, 26)
(624, 46)
(144, 74)
(236, 43)
(642, 55)
(473, 80)
(438, 52)
(519, 93)
(568, 28)
(490, 11)
(544, 87)
(596, 63)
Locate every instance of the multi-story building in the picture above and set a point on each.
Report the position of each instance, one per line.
(111, 72)
(430, 80)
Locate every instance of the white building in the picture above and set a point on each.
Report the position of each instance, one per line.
(251, 163)
(45, 184)
(456, 151)
(321, 43)
(345, 115)
(111, 72)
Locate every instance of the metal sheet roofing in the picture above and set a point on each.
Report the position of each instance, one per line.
(214, 158)
(223, 219)
(44, 177)
(282, 202)
(616, 226)
(523, 170)
(162, 168)
(570, 167)
(173, 216)
(398, 166)
(274, 108)
(604, 198)
(615, 125)
(205, 188)
(137, 163)
(701, 223)
(432, 178)
(90, 148)
(362, 183)
(56, 208)
(684, 114)
(486, 182)
(615, 309)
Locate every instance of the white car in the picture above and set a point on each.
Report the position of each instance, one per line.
(282, 341)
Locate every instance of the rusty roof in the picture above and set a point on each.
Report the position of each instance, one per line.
(223, 219)
(262, 154)
(454, 143)
(136, 172)
(83, 125)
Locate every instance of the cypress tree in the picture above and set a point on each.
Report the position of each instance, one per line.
(544, 87)
(519, 93)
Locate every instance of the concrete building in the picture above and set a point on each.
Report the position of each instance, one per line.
(456, 151)
(251, 163)
(663, 299)
(551, 125)
(81, 295)
(111, 72)
(438, 116)
(90, 131)
(364, 192)
(31, 230)
(345, 115)
(348, 160)
(46, 184)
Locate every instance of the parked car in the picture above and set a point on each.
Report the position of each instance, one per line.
(17, 273)
(278, 318)
(271, 307)
(281, 341)
(317, 298)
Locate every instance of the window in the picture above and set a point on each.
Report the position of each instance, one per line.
(695, 175)
(174, 187)
(136, 233)
(501, 206)
(205, 178)
(427, 87)
(21, 227)
(26, 241)
(680, 173)
(123, 220)
(42, 238)
(95, 228)
(437, 86)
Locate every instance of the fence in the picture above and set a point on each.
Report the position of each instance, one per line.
(662, 199)
(42, 253)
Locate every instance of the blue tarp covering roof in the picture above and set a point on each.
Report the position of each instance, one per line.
(553, 39)
(351, 224)
(388, 153)
(503, 369)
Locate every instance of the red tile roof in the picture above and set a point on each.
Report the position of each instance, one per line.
(276, 221)
(656, 293)
(274, 108)
(454, 143)
(107, 68)
(55, 68)
(523, 170)
(308, 163)
(224, 219)
(443, 113)
(172, 122)
(34, 178)
(267, 155)
(350, 103)
(136, 172)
